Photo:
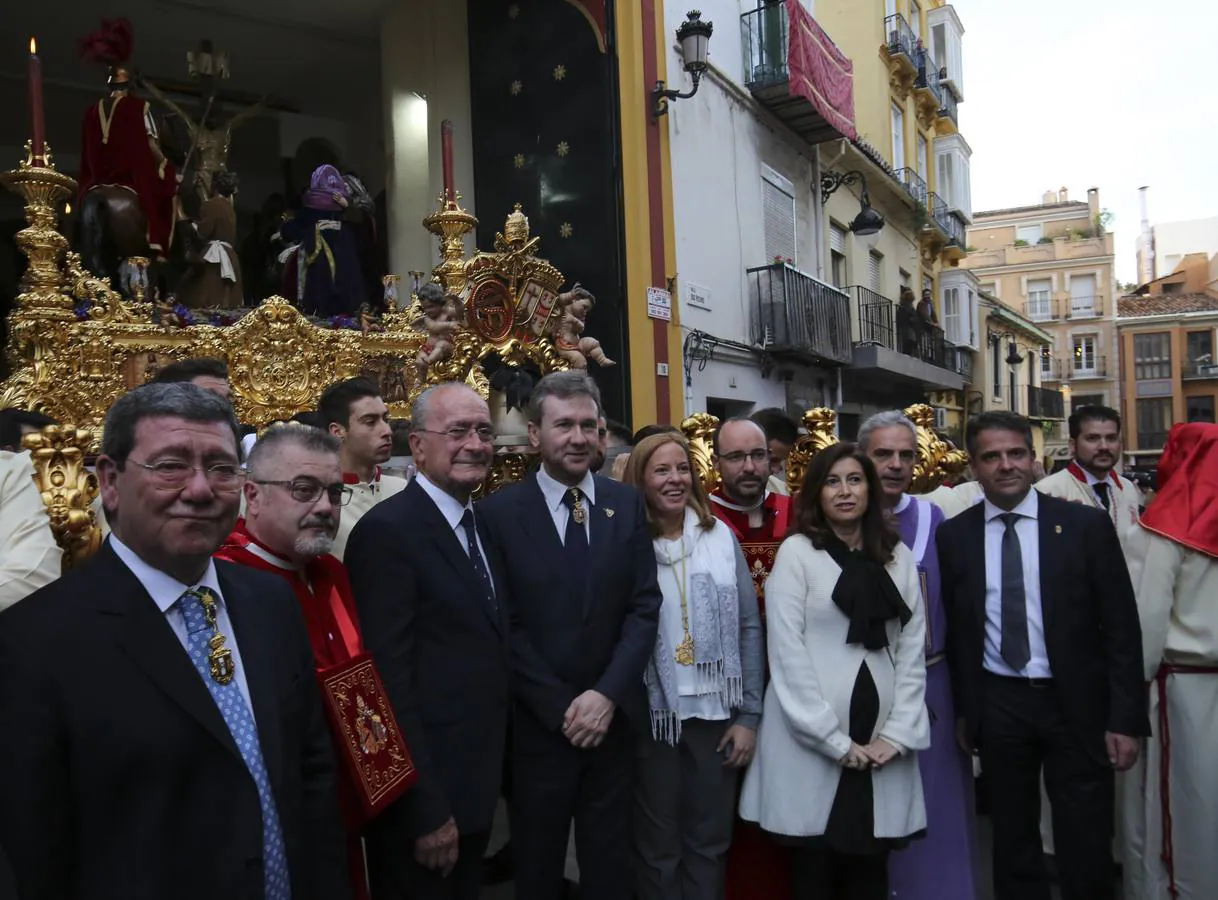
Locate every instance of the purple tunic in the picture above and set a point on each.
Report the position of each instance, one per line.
(942, 866)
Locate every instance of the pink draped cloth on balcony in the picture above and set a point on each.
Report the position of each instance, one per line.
(818, 71)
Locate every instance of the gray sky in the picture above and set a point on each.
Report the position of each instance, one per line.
(1079, 93)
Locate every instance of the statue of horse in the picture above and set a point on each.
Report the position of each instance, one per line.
(110, 227)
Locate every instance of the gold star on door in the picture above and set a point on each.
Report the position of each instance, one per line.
(518, 160)
(566, 229)
(560, 72)
(516, 87)
(563, 148)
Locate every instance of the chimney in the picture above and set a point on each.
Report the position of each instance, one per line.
(1063, 195)
(1093, 204)
(1146, 241)
(1048, 197)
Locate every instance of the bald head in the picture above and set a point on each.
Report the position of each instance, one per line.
(743, 460)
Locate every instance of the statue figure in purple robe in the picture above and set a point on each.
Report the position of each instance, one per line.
(324, 255)
(944, 865)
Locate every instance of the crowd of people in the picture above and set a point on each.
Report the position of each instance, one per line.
(288, 674)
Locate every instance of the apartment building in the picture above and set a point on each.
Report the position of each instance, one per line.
(816, 174)
(1053, 263)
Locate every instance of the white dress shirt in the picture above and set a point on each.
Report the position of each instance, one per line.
(1027, 530)
(165, 591)
(554, 491)
(452, 511)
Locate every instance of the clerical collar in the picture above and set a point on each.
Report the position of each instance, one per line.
(352, 478)
(727, 504)
(902, 504)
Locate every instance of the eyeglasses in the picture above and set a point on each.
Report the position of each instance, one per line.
(174, 473)
(306, 490)
(760, 457)
(485, 433)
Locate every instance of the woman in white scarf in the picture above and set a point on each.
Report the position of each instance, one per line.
(704, 682)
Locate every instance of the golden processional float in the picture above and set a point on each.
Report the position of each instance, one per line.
(75, 345)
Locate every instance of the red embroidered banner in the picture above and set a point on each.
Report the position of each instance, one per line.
(818, 71)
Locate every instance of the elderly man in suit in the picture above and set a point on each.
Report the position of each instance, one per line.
(432, 609)
(161, 734)
(1045, 653)
(581, 572)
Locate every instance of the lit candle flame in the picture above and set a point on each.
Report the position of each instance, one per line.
(67, 209)
(33, 46)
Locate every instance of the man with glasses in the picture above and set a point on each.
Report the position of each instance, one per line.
(758, 517)
(161, 732)
(355, 413)
(294, 494)
(433, 609)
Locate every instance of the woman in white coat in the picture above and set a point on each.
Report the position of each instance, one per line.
(836, 772)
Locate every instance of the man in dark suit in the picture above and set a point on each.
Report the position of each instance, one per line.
(581, 572)
(1046, 663)
(161, 731)
(432, 610)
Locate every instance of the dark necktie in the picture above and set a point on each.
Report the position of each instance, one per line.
(475, 557)
(1101, 491)
(575, 538)
(1014, 602)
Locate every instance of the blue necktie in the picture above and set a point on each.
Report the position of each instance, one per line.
(575, 538)
(1015, 648)
(475, 557)
(240, 722)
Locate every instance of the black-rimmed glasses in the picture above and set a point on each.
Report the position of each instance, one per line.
(306, 490)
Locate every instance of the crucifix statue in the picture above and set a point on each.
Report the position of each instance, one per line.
(210, 138)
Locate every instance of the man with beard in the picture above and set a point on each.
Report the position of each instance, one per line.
(581, 570)
(943, 866)
(433, 608)
(293, 496)
(1091, 477)
(758, 517)
(354, 412)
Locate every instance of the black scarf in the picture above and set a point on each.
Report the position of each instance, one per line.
(865, 594)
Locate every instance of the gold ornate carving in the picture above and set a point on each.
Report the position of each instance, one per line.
(699, 430)
(821, 426)
(67, 488)
(938, 460)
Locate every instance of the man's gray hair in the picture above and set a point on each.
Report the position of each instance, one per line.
(289, 434)
(181, 400)
(889, 419)
(562, 386)
(420, 410)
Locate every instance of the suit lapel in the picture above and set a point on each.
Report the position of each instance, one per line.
(537, 520)
(258, 666)
(975, 561)
(602, 527)
(147, 639)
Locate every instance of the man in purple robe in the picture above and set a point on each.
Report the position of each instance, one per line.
(943, 866)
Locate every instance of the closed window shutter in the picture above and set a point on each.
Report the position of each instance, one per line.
(837, 239)
(779, 212)
(873, 271)
(951, 314)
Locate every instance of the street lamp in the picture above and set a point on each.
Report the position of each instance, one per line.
(868, 221)
(694, 38)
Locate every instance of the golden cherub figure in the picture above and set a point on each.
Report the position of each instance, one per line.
(574, 306)
(441, 316)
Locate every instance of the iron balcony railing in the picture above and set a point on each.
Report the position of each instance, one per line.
(764, 30)
(913, 184)
(960, 361)
(900, 37)
(796, 313)
(1042, 309)
(1077, 368)
(928, 74)
(1045, 403)
(932, 347)
(1085, 307)
(943, 217)
(949, 105)
(875, 317)
(1194, 369)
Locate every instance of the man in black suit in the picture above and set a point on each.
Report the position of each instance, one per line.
(1046, 661)
(581, 572)
(161, 731)
(432, 610)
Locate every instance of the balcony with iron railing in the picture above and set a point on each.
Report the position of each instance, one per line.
(1042, 309)
(947, 219)
(1087, 306)
(1194, 370)
(949, 112)
(928, 76)
(1045, 403)
(913, 184)
(876, 329)
(900, 42)
(794, 313)
(960, 361)
(795, 90)
(1082, 368)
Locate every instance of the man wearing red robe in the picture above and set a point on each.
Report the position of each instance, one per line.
(757, 868)
(293, 495)
(120, 146)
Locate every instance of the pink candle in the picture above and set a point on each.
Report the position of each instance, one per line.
(446, 145)
(36, 101)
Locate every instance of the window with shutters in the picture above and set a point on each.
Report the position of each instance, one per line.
(1040, 300)
(1084, 354)
(996, 366)
(837, 254)
(1152, 356)
(1082, 296)
(924, 161)
(875, 262)
(778, 209)
(1029, 234)
(1046, 364)
(952, 315)
(898, 137)
(1154, 422)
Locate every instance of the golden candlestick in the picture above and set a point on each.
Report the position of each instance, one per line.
(44, 190)
(450, 223)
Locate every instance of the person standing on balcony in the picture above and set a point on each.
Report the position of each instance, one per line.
(926, 311)
(909, 327)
